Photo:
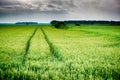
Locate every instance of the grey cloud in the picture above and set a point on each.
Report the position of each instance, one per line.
(72, 9)
(8, 2)
(66, 5)
(42, 5)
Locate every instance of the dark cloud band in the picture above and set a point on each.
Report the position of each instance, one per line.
(59, 4)
(73, 9)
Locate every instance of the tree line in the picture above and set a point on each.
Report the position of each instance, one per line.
(62, 24)
(26, 23)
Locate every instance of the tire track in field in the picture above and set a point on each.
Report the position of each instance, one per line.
(28, 46)
(53, 49)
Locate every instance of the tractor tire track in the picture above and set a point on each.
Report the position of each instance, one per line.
(28, 46)
(53, 49)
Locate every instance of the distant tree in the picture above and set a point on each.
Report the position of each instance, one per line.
(53, 23)
(77, 24)
(58, 24)
(27, 23)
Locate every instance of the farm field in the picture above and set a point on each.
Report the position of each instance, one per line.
(85, 52)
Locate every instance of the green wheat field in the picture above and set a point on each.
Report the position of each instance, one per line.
(35, 52)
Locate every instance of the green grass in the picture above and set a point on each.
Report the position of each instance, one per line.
(86, 52)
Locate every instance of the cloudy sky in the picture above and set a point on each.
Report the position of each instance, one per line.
(47, 10)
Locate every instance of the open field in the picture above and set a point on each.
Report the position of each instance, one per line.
(86, 52)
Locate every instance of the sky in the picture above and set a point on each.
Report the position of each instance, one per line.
(48, 10)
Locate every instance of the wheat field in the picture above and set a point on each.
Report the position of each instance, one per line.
(35, 52)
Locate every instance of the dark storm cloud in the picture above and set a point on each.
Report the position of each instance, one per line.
(60, 4)
(7, 2)
(72, 9)
(8, 5)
